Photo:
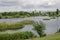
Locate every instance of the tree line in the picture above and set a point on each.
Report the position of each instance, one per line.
(23, 14)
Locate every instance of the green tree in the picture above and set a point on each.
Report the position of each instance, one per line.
(57, 12)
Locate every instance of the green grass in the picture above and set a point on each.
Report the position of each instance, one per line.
(46, 19)
(16, 36)
(51, 37)
(52, 18)
(15, 26)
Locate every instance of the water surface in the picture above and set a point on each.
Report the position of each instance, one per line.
(51, 25)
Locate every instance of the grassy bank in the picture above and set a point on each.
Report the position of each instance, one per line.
(16, 36)
(14, 26)
(38, 26)
(51, 37)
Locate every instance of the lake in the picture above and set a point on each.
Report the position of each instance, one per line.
(51, 25)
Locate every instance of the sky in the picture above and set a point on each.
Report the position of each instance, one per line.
(29, 5)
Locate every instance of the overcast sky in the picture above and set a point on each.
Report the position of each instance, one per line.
(29, 5)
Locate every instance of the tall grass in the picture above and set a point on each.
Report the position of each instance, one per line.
(16, 36)
(14, 26)
(49, 37)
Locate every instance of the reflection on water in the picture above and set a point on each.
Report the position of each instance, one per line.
(51, 25)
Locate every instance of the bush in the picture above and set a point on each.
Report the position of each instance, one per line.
(0, 17)
(58, 31)
(40, 27)
(16, 36)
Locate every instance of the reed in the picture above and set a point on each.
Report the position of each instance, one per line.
(15, 26)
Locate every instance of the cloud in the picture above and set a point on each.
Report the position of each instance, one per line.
(41, 3)
(9, 2)
(15, 5)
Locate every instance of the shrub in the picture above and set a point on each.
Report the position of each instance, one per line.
(16, 36)
(0, 17)
(40, 27)
(58, 31)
